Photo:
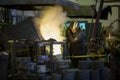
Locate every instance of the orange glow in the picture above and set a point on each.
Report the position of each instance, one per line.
(51, 24)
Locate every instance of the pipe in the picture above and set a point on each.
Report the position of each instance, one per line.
(97, 18)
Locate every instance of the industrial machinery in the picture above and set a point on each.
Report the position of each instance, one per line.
(25, 36)
(43, 61)
(27, 32)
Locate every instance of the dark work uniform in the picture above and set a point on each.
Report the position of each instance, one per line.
(76, 43)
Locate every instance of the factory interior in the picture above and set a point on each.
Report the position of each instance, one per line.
(34, 42)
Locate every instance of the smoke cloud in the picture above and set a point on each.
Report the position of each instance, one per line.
(51, 23)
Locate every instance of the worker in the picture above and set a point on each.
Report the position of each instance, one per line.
(76, 42)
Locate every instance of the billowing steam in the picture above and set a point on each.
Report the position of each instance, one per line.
(51, 24)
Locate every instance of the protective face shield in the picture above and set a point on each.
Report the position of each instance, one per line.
(74, 27)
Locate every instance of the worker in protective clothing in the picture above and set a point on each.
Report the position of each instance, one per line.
(76, 42)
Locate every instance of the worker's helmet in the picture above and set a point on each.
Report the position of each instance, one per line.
(74, 25)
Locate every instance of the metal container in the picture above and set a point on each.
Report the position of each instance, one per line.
(84, 65)
(83, 75)
(104, 74)
(42, 77)
(94, 75)
(32, 66)
(70, 74)
(98, 64)
(56, 77)
(41, 68)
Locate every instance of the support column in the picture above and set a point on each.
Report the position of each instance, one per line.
(119, 16)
